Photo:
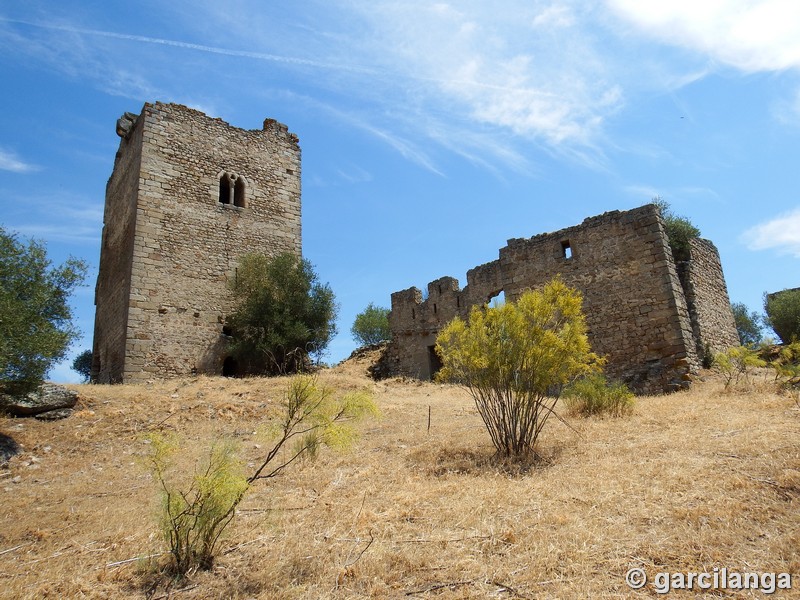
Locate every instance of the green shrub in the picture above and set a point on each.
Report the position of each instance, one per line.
(787, 369)
(371, 326)
(736, 364)
(194, 515)
(512, 356)
(783, 314)
(680, 230)
(196, 512)
(595, 395)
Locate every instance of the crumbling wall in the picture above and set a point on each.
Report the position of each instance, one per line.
(706, 294)
(620, 261)
(187, 237)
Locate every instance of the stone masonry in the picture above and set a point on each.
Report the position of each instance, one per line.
(651, 324)
(188, 196)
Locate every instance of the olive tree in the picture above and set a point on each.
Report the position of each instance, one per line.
(371, 326)
(283, 313)
(36, 326)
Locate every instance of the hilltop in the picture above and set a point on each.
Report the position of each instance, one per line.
(691, 481)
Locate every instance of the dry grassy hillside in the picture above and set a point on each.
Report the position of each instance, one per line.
(690, 482)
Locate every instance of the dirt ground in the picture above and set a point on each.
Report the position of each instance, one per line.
(419, 508)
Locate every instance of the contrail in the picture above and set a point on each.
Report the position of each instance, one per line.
(189, 46)
(289, 60)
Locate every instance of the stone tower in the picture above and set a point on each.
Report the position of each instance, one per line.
(188, 196)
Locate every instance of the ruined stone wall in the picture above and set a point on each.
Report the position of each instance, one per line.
(186, 242)
(707, 298)
(620, 261)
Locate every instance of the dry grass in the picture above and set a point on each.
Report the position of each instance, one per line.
(689, 482)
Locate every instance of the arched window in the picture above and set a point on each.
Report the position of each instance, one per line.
(225, 189)
(238, 192)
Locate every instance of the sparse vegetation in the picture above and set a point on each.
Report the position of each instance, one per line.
(680, 230)
(787, 369)
(736, 365)
(371, 326)
(685, 476)
(284, 314)
(196, 513)
(36, 326)
(783, 314)
(82, 364)
(595, 395)
(748, 324)
(514, 358)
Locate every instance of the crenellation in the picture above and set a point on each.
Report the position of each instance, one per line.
(637, 309)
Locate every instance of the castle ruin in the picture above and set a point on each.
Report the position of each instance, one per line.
(651, 318)
(189, 194)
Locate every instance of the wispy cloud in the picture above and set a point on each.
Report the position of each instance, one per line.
(58, 217)
(781, 233)
(9, 161)
(750, 36)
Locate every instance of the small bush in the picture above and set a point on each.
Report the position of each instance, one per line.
(787, 369)
(193, 516)
(512, 357)
(736, 364)
(195, 513)
(595, 395)
(680, 230)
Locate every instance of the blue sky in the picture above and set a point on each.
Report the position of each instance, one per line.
(431, 132)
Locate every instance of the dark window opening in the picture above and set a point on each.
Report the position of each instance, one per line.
(434, 308)
(566, 249)
(434, 361)
(413, 314)
(440, 290)
(225, 189)
(227, 331)
(458, 301)
(238, 193)
(230, 368)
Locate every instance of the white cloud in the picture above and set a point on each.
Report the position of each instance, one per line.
(9, 161)
(750, 35)
(781, 233)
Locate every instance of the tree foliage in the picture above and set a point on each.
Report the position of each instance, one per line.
(83, 364)
(371, 326)
(196, 510)
(36, 326)
(284, 314)
(515, 358)
(783, 314)
(680, 230)
(748, 324)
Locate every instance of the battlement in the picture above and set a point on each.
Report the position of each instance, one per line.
(651, 324)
